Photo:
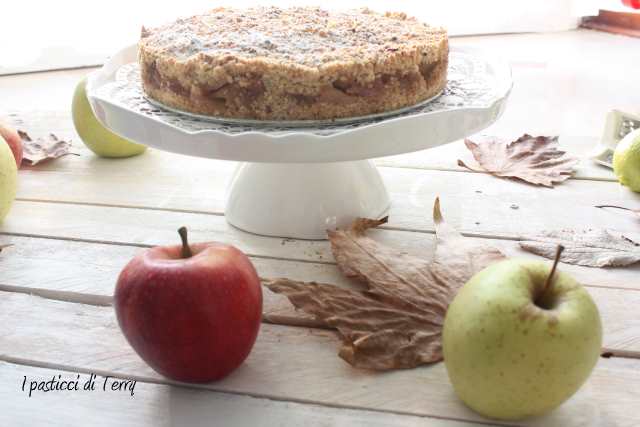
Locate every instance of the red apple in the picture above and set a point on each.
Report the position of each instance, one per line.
(13, 139)
(192, 312)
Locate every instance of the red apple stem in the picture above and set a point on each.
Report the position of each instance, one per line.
(186, 250)
(556, 260)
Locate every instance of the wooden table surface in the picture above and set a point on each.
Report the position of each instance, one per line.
(79, 219)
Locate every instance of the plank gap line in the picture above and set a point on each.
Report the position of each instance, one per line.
(146, 246)
(446, 169)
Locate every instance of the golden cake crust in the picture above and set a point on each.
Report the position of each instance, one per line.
(293, 64)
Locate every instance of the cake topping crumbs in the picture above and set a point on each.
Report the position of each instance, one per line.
(306, 35)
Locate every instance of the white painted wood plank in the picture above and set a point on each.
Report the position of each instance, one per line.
(475, 203)
(144, 227)
(155, 179)
(292, 364)
(89, 268)
(86, 272)
(158, 405)
(164, 180)
(68, 265)
(151, 227)
(481, 204)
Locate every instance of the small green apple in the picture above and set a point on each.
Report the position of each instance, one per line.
(13, 139)
(626, 161)
(516, 346)
(8, 178)
(99, 139)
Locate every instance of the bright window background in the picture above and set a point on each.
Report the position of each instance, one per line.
(40, 34)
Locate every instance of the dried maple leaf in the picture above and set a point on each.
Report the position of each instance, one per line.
(42, 148)
(591, 248)
(535, 160)
(396, 322)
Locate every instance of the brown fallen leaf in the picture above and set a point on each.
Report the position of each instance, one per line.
(591, 248)
(5, 246)
(396, 321)
(43, 148)
(535, 160)
(634, 211)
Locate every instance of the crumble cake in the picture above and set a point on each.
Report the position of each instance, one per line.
(300, 63)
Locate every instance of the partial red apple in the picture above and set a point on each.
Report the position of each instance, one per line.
(13, 139)
(191, 312)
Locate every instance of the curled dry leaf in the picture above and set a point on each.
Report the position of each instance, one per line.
(591, 248)
(396, 321)
(42, 148)
(534, 159)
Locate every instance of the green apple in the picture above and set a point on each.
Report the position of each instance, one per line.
(8, 178)
(626, 161)
(516, 346)
(99, 139)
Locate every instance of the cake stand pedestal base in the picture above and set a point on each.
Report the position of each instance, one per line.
(303, 200)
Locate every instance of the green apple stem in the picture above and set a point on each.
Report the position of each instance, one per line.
(556, 260)
(186, 250)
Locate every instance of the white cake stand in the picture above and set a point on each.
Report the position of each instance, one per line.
(300, 178)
